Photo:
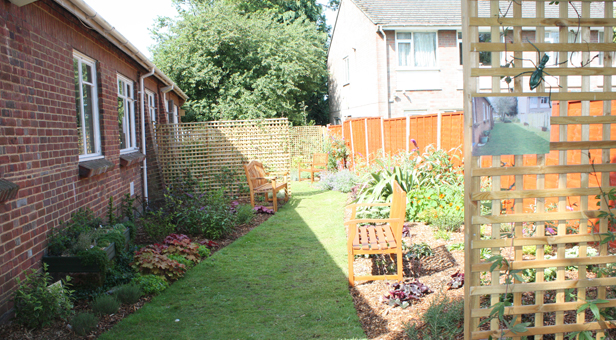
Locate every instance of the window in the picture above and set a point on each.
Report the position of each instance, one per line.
(601, 54)
(86, 103)
(346, 68)
(126, 115)
(151, 97)
(416, 49)
(552, 37)
(460, 46)
(485, 58)
(575, 58)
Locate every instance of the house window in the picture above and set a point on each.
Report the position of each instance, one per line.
(485, 58)
(575, 58)
(601, 54)
(126, 115)
(460, 46)
(86, 102)
(151, 96)
(544, 101)
(416, 49)
(552, 37)
(347, 70)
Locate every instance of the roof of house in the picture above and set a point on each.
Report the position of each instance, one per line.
(448, 12)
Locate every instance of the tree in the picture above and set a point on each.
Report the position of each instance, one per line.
(505, 106)
(237, 66)
(287, 10)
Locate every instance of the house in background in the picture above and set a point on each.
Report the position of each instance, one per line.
(483, 118)
(399, 58)
(534, 112)
(77, 105)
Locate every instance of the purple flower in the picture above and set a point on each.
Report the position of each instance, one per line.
(550, 231)
(414, 142)
(189, 195)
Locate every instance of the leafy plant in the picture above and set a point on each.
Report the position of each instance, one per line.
(105, 304)
(244, 214)
(456, 246)
(181, 260)
(443, 319)
(204, 251)
(419, 250)
(457, 281)
(158, 224)
(37, 304)
(151, 260)
(259, 209)
(343, 181)
(440, 234)
(129, 294)
(151, 284)
(84, 323)
(111, 217)
(403, 292)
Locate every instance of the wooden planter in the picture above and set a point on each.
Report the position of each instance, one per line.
(72, 264)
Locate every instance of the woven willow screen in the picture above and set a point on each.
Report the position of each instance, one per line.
(213, 152)
(306, 140)
(532, 229)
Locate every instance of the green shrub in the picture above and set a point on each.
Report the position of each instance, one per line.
(158, 224)
(204, 251)
(245, 213)
(207, 215)
(37, 304)
(181, 259)
(532, 250)
(441, 234)
(105, 304)
(343, 181)
(129, 294)
(151, 284)
(443, 319)
(84, 323)
(419, 250)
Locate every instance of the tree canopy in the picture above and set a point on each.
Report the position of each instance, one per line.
(246, 59)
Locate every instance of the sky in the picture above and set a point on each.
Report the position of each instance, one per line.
(134, 18)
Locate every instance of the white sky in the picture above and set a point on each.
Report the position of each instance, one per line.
(133, 18)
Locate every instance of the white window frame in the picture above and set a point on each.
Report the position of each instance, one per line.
(460, 49)
(83, 59)
(151, 98)
(411, 65)
(346, 71)
(176, 113)
(129, 120)
(551, 36)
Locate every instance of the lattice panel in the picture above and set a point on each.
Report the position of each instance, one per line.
(527, 202)
(306, 140)
(215, 151)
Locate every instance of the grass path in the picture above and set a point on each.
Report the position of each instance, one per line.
(286, 279)
(513, 139)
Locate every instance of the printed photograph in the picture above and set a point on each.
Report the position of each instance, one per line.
(511, 125)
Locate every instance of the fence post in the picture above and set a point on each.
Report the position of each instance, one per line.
(382, 137)
(352, 144)
(439, 128)
(408, 132)
(367, 151)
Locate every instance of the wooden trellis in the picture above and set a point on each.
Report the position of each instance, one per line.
(306, 140)
(213, 152)
(575, 152)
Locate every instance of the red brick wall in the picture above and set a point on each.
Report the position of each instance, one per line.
(38, 131)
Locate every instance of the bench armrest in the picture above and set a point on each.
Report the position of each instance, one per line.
(373, 220)
(368, 205)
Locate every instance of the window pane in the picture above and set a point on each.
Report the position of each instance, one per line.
(407, 36)
(88, 119)
(120, 87)
(78, 106)
(425, 49)
(485, 58)
(86, 72)
(122, 126)
(130, 120)
(404, 54)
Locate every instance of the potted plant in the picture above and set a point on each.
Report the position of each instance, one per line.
(484, 136)
(84, 245)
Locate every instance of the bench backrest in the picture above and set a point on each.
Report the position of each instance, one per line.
(255, 174)
(398, 210)
(319, 159)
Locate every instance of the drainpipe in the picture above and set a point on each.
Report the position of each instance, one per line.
(143, 148)
(380, 30)
(164, 90)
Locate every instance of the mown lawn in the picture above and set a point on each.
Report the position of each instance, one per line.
(513, 139)
(286, 279)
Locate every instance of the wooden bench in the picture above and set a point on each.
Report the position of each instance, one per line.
(319, 163)
(260, 183)
(383, 238)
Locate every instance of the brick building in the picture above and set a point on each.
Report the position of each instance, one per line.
(77, 102)
(396, 58)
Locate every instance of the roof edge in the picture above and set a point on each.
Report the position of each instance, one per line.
(87, 14)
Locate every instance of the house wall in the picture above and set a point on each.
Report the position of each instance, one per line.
(355, 37)
(435, 90)
(479, 124)
(38, 130)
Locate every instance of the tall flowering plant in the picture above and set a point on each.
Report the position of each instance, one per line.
(338, 153)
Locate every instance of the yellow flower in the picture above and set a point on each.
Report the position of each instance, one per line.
(457, 207)
(441, 196)
(441, 207)
(450, 204)
(428, 197)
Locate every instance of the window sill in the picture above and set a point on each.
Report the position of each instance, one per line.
(132, 158)
(8, 190)
(95, 167)
(90, 158)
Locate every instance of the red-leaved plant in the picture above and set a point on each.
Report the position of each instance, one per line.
(405, 291)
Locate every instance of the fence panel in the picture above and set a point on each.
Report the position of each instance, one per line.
(306, 140)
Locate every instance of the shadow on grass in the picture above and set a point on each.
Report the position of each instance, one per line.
(285, 279)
